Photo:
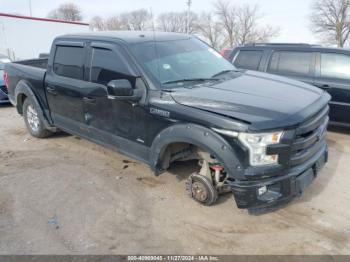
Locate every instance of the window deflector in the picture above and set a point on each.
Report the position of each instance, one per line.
(70, 43)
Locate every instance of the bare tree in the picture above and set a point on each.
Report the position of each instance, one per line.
(170, 22)
(97, 24)
(116, 23)
(67, 11)
(177, 22)
(226, 13)
(330, 19)
(227, 25)
(140, 19)
(241, 23)
(266, 33)
(247, 29)
(111, 23)
(210, 30)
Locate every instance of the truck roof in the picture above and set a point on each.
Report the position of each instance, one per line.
(130, 36)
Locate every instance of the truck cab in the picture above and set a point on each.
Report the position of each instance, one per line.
(165, 97)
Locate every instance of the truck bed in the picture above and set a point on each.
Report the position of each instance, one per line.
(31, 73)
(40, 63)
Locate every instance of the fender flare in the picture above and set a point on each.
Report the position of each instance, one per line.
(200, 136)
(24, 88)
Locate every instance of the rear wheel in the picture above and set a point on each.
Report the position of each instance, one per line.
(33, 120)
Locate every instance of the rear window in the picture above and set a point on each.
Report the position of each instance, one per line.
(248, 59)
(68, 61)
(335, 66)
(290, 63)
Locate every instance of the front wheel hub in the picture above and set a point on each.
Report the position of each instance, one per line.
(199, 192)
(201, 189)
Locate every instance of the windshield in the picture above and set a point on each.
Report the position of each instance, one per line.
(179, 62)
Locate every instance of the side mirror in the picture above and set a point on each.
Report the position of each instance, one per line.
(121, 89)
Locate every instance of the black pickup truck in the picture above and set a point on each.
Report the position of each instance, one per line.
(166, 97)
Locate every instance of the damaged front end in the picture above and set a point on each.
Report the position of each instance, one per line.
(302, 153)
(272, 192)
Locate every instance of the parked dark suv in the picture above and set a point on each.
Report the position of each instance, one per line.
(327, 68)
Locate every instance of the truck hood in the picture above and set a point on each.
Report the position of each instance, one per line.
(264, 101)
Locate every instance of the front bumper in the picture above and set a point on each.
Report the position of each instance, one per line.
(280, 190)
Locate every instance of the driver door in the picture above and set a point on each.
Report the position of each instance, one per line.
(109, 120)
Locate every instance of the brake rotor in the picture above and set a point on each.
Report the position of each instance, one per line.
(201, 189)
(199, 192)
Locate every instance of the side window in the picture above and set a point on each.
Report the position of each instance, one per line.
(291, 63)
(68, 61)
(107, 65)
(335, 66)
(248, 59)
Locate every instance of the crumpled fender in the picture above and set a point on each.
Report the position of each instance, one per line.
(200, 136)
(23, 88)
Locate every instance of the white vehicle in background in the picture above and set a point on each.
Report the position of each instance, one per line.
(23, 37)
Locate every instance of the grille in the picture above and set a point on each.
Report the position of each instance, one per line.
(310, 138)
(3, 89)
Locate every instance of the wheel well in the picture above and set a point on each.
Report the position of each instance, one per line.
(182, 151)
(176, 151)
(20, 100)
(207, 165)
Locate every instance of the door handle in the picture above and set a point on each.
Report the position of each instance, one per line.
(51, 90)
(325, 86)
(89, 100)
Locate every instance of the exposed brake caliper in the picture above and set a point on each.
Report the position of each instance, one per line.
(210, 181)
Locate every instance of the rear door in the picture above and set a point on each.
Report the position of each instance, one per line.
(299, 65)
(333, 75)
(248, 59)
(65, 86)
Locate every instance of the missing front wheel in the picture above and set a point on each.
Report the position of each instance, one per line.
(205, 185)
(201, 189)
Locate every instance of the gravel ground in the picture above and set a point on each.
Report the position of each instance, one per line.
(65, 195)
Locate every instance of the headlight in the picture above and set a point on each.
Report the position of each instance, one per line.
(257, 144)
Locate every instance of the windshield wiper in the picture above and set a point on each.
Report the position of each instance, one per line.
(223, 72)
(189, 80)
(167, 90)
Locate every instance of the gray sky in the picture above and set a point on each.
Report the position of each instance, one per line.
(290, 16)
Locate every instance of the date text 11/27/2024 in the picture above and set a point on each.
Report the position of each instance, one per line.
(173, 258)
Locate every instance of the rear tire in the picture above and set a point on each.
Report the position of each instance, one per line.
(33, 119)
